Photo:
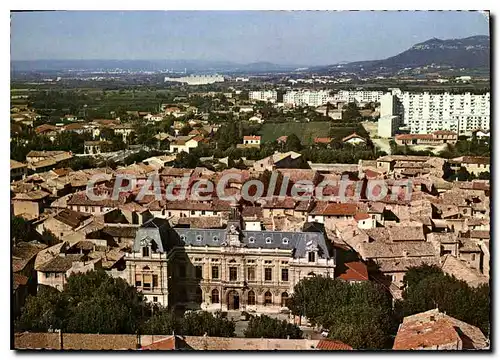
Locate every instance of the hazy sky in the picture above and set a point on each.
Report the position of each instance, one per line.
(286, 37)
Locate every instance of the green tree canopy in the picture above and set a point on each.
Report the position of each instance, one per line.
(358, 314)
(266, 327)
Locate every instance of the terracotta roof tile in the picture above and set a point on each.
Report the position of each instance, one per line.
(329, 345)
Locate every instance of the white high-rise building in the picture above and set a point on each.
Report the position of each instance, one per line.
(310, 98)
(266, 95)
(463, 113)
(362, 96)
(196, 79)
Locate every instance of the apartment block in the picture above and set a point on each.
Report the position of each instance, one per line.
(267, 95)
(310, 98)
(425, 113)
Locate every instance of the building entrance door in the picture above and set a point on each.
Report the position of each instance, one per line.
(233, 300)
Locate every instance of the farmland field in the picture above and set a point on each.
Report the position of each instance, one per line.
(305, 131)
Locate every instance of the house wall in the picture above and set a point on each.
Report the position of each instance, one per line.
(58, 228)
(31, 208)
(472, 259)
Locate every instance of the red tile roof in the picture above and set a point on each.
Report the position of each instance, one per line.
(325, 140)
(352, 136)
(370, 174)
(335, 209)
(414, 137)
(45, 128)
(361, 216)
(251, 137)
(444, 132)
(332, 345)
(356, 271)
(165, 344)
(417, 336)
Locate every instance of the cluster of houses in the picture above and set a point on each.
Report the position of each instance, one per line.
(222, 255)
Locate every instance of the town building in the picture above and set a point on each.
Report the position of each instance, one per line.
(225, 269)
(360, 96)
(462, 113)
(251, 140)
(434, 330)
(354, 139)
(264, 95)
(473, 164)
(196, 79)
(18, 170)
(96, 147)
(185, 143)
(307, 97)
(279, 160)
(436, 138)
(387, 126)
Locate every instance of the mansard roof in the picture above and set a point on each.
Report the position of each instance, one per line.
(165, 238)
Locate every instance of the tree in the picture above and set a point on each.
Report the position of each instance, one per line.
(266, 327)
(49, 238)
(162, 322)
(351, 113)
(186, 160)
(485, 175)
(358, 314)
(91, 302)
(201, 323)
(186, 129)
(19, 229)
(42, 312)
(293, 143)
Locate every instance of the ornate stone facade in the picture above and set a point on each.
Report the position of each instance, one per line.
(228, 269)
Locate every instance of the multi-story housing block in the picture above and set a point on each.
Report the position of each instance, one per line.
(425, 113)
(309, 98)
(265, 95)
(360, 96)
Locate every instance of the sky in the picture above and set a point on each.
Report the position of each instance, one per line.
(282, 37)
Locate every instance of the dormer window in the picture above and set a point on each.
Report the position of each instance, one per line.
(251, 240)
(215, 239)
(268, 240)
(199, 237)
(311, 256)
(145, 251)
(285, 241)
(183, 237)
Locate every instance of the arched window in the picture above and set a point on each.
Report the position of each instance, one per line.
(199, 295)
(284, 299)
(251, 298)
(268, 298)
(215, 296)
(146, 268)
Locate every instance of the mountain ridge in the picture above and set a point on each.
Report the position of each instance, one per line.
(471, 52)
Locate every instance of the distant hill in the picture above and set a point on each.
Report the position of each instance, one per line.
(147, 65)
(471, 53)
